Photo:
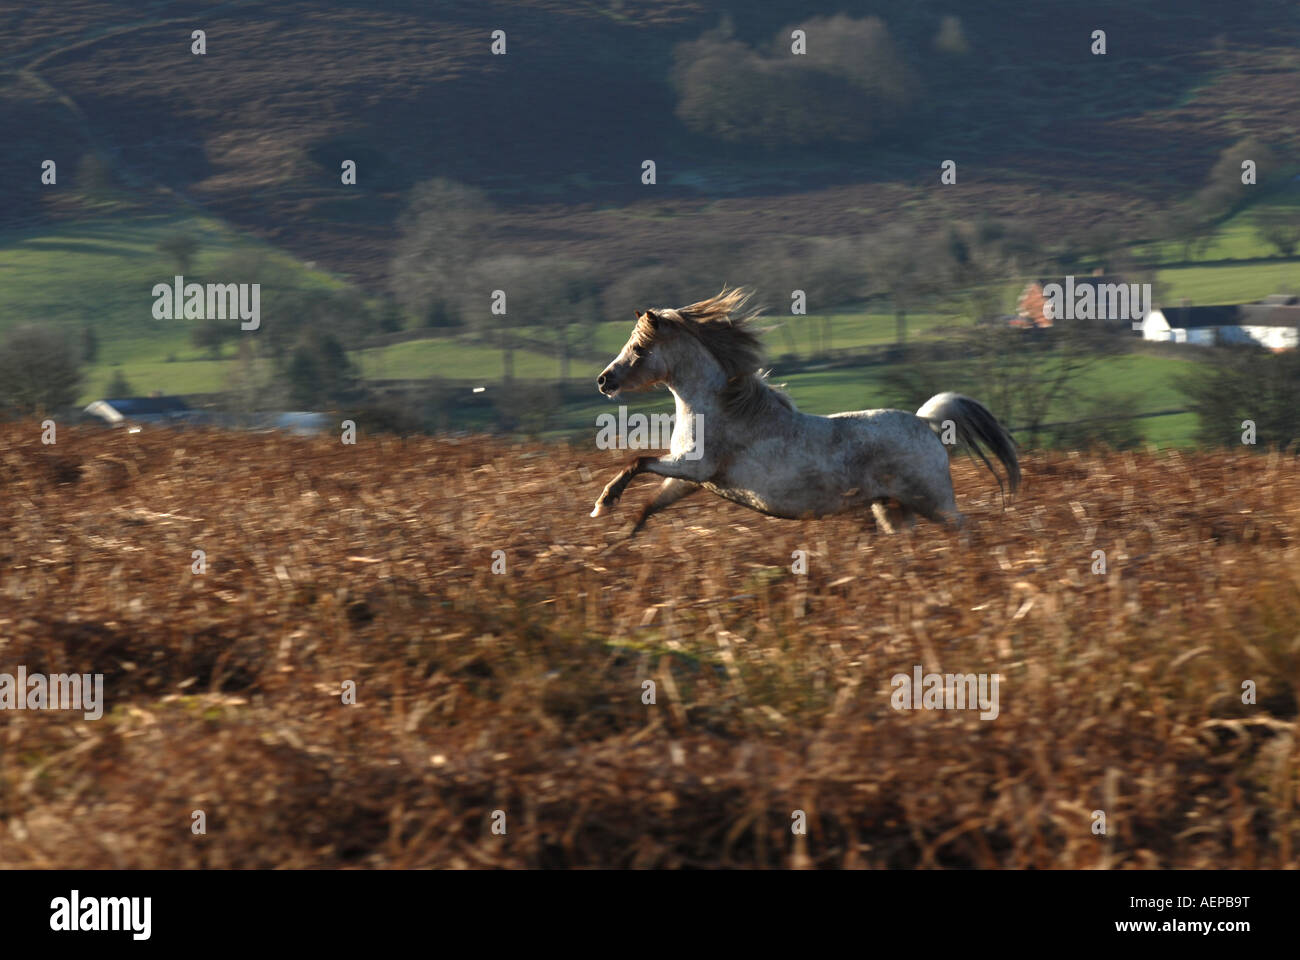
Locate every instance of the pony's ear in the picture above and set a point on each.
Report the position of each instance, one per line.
(652, 317)
(638, 314)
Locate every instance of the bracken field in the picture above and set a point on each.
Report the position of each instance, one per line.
(522, 692)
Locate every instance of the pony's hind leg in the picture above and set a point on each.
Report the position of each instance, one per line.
(933, 499)
(892, 516)
(669, 492)
(941, 510)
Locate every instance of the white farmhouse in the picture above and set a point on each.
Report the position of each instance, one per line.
(1273, 323)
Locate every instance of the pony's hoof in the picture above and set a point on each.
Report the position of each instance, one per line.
(599, 511)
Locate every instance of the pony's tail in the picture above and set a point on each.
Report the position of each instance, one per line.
(977, 428)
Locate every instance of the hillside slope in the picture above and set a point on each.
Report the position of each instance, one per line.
(522, 690)
(255, 130)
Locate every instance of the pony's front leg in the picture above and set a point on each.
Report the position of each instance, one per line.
(614, 489)
(673, 467)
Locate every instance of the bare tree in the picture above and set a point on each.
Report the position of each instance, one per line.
(546, 295)
(444, 231)
(828, 270)
(901, 269)
(1027, 377)
(251, 383)
(971, 263)
(1037, 375)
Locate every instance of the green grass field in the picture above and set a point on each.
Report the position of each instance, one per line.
(101, 272)
(459, 358)
(1234, 238)
(1259, 273)
(453, 358)
(1229, 283)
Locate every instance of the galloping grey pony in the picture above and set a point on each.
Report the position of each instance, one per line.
(736, 436)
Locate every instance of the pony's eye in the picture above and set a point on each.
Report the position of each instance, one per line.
(638, 350)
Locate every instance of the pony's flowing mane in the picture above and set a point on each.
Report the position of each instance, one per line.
(723, 327)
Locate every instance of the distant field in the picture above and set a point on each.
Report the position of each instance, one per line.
(143, 360)
(101, 272)
(452, 357)
(456, 357)
(1138, 383)
(1235, 238)
(1146, 382)
(1229, 283)
(1218, 282)
(147, 376)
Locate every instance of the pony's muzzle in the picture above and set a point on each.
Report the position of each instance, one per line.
(607, 383)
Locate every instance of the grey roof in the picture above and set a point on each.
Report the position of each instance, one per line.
(1268, 315)
(138, 406)
(1189, 318)
(1243, 315)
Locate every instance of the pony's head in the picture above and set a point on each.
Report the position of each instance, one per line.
(642, 362)
(665, 340)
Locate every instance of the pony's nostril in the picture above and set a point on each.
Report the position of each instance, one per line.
(600, 381)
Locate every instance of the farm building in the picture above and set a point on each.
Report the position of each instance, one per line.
(1272, 323)
(140, 410)
(1105, 298)
(174, 410)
